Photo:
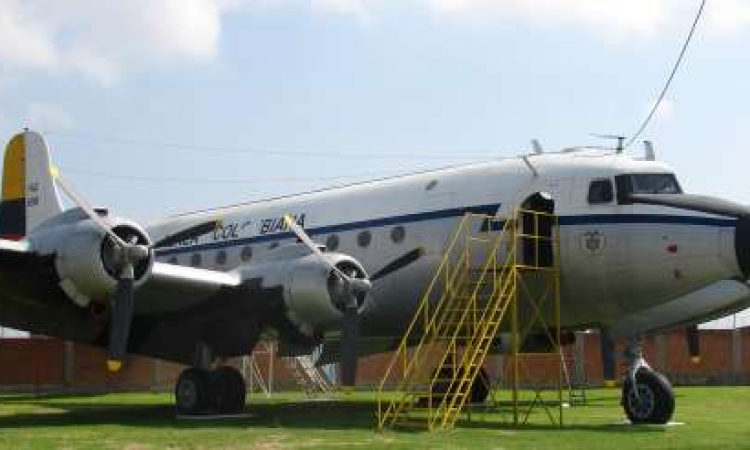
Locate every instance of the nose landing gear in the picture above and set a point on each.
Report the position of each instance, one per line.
(647, 395)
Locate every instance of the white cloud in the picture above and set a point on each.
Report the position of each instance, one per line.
(728, 16)
(609, 17)
(613, 18)
(104, 38)
(339, 6)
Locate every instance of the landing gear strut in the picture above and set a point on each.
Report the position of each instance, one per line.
(199, 391)
(647, 396)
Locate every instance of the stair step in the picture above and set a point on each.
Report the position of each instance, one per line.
(412, 424)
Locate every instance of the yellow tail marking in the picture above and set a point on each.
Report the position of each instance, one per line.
(14, 172)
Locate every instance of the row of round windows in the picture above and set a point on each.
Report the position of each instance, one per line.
(364, 239)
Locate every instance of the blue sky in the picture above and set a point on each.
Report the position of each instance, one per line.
(353, 89)
(264, 97)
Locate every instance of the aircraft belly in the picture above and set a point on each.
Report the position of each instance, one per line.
(722, 296)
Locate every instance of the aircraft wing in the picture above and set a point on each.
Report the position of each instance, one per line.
(32, 297)
(172, 287)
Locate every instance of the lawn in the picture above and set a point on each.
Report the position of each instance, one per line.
(713, 417)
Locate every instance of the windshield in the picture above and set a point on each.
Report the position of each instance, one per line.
(645, 183)
(655, 183)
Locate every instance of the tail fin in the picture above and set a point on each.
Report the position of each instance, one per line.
(29, 195)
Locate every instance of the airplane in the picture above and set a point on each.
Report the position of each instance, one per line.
(346, 266)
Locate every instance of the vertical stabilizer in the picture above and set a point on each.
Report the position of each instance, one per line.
(29, 194)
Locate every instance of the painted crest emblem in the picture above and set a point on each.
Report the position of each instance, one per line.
(593, 242)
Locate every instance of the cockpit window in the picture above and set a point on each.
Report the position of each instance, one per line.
(601, 191)
(646, 183)
(655, 183)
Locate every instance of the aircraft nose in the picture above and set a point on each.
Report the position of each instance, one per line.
(742, 245)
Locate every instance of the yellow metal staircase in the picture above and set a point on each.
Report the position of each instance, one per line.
(476, 284)
(453, 327)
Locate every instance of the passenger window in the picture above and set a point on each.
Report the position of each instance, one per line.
(246, 254)
(221, 257)
(601, 191)
(332, 243)
(195, 260)
(364, 238)
(397, 234)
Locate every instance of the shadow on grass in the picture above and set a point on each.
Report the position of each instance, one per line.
(350, 414)
(32, 397)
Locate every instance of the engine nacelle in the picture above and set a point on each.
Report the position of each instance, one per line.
(315, 298)
(84, 256)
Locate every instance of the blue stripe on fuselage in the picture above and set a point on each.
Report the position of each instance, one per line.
(583, 219)
(373, 223)
(612, 219)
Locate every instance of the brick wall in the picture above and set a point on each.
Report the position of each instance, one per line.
(43, 364)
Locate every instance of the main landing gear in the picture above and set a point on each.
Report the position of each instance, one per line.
(199, 391)
(647, 396)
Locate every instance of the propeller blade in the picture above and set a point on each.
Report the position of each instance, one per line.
(692, 338)
(300, 233)
(129, 254)
(398, 263)
(84, 205)
(122, 315)
(349, 338)
(187, 233)
(700, 203)
(607, 348)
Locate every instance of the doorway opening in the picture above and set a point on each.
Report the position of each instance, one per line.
(536, 230)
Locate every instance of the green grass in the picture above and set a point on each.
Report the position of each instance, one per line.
(716, 417)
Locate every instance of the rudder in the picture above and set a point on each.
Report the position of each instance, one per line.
(29, 195)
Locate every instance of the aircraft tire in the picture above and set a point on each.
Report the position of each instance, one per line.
(479, 388)
(191, 392)
(228, 390)
(655, 401)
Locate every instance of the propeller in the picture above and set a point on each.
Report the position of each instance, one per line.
(352, 288)
(125, 255)
(692, 338)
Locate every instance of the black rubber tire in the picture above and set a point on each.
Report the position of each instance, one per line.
(479, 388)
(655, 403)
(228, 390)
(192, 395)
